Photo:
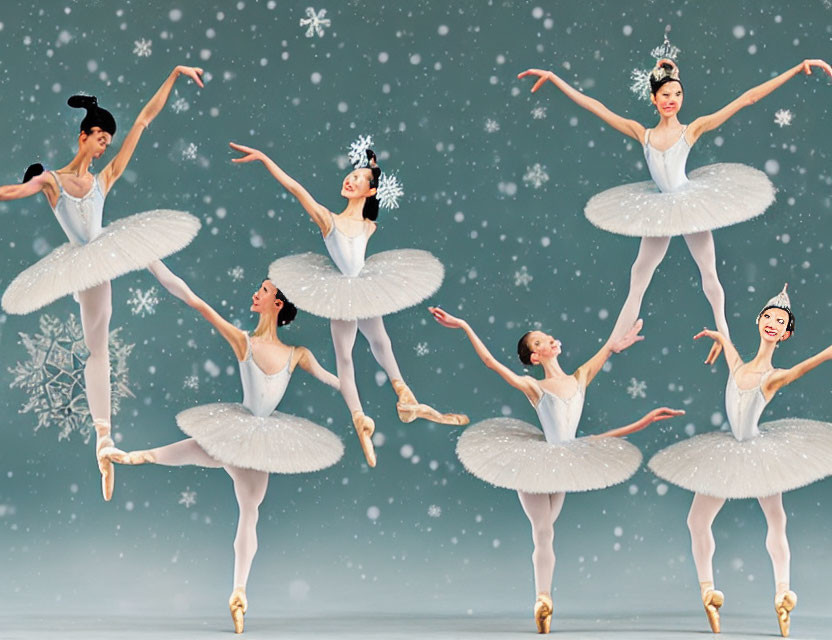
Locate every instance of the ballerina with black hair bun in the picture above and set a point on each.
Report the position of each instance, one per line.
(355, 293)
(672, 203)
(96, 254)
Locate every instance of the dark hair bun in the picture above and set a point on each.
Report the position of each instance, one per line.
(33, 171)
(523, 351)
(287, 314)
(82, 102)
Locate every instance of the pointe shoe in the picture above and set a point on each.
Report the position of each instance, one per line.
(238, 604)
(712, 601)
(105, 465)
(409, 409)
(364, 428)
(784, 602)
(543, 612)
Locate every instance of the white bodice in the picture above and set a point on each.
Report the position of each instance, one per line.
(347, 252)
(559, 417)
(80, 218)
(667, 168)
(744, 407)
(262, 392)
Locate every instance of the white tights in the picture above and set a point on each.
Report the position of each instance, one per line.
(701, 517)
(343, 339)
(542, 509)
(249, 487)
(650, 254)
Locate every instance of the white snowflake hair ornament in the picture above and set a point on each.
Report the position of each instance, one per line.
(640, 78)
(389, 188)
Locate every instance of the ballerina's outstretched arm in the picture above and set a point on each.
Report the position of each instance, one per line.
(620, 123)
(42, 182)
(526, 384)
(662, 413)
(319, 214)
(782, 377)
(118, 164)
(732, 356)
(710, 122)
(307, 362)
(587, 371)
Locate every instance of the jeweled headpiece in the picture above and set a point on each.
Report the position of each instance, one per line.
(780, 301)
(640, 78)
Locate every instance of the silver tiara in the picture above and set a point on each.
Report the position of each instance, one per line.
(781, 300)
(640, 78)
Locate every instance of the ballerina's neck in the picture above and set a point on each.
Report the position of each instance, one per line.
(266, 329)
(764, 356)
(552, 369)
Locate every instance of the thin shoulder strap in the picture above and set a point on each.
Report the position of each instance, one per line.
(58, 180)
(249, 354)
(646, 136)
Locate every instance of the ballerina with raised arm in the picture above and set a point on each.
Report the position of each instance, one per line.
(544, 466)
(96, 254)
(672, 203)
(355, 294)
(751, 460)
(250, 439)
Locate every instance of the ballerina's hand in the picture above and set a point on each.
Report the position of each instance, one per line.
(194, 73)
(543, 77)
(713, 354)
(251, 155)
(629, 338)
(662, 413)
(808, 64)
(446, 319)
(716, 349)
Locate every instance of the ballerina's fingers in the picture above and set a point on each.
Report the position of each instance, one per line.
(665, 413)
(543, 77)
(194, 73)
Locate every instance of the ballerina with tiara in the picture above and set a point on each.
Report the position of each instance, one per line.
(250, 440)
(96, 254)
(672, 203)
(355, 293)
(543, 466)
(751, 460)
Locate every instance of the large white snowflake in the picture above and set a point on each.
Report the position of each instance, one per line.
(179, 105)
(315, 22)
(143, 303)
(637, 389)
(492, 126)
(53, 376)
(422, 349)
(142, 48)
(187, 498)
(522, 278)
(434, 511)
(640, 83)
(783, 117)
(358, 151)
(189, 152)
(536, 176)
(389, 191)
(237, 273)
(538, 113)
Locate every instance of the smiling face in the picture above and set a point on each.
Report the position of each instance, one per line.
(95, 142)
(357, 184)
(773, 325)
(668, 98)
(541, 346)
(264, 301)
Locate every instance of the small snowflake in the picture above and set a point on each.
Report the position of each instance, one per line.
(191, 382)
(434, 511)
(783, 117)
(237, 273)
(143, 303)
(315, 22)
(538, 113)
(422, 349)
(522, 278)
(187, 497)
(640, 83)
(358, 151)
(179, 105)
(189, 152)
(142, 48)
(389, 191)
(637, 389)
(536, 176)
(492, 126)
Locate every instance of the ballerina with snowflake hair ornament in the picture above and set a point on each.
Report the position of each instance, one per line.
(356, 293)
(96, 254)
(751, 460)
(673, 203)
(543, 466)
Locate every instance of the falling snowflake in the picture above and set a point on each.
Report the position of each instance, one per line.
(665, 50)
(637, 389)
(53, 376)
(783, 117)
(142, 48)
(640, 83)
(189, 152)
(491, 126)
(191, 382)
(422, 349)
(434, 511)
(143, 303)
(536, 176)
(187, 497)
(315, 22)
(237, 273)
(522, 278)
(389, 191)
(538, 113)
(358, 151)
(179, 105)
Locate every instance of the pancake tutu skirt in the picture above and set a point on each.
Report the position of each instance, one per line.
(717, 195)
(277, 443)
(390, 281)
(124, 245)
(513, 454)
(788, 454)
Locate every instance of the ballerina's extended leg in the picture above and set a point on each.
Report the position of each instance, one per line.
(777, 545)
(703, 510)
(175, 285)
(701, 246)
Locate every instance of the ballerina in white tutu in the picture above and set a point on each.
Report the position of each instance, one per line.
(355, 294)
(96, 254)
(671, 204)
(250, 439)
(544, 466)
(751, 460)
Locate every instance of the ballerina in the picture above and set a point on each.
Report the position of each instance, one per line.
(94, 255)
(251, 439)
(357, 294)
(751, 460)
(544, 467)
(671, 204)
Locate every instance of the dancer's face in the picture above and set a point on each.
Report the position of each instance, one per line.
(668, 99)
(357, 184)
(543, 346)
(772, 325)
(264, 300)
(95, 142)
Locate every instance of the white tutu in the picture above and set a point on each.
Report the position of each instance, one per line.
(787, 454)
(717, 195)
(513, 454)
(125, 245)
(390, 281)
(278, 443)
